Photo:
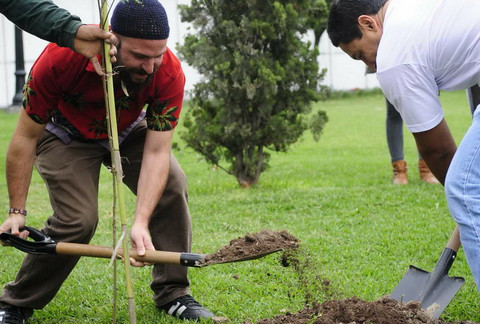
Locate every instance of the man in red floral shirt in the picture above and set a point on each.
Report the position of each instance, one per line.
(63, 129)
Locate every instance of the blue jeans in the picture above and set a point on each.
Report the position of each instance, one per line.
(462, 189)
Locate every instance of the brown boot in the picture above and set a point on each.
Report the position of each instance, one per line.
(425, 174)
(400, 172)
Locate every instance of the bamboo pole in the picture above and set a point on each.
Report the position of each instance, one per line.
(116, 160)
(114, 244)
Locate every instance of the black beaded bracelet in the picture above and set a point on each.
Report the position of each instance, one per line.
(17, 211)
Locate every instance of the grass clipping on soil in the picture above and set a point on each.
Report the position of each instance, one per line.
(357, 311)
(253, 246)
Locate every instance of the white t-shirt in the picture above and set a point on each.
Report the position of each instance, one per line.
(427, 46)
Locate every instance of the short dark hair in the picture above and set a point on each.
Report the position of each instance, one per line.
(343, 18)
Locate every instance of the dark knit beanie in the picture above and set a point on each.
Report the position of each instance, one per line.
(144, 19)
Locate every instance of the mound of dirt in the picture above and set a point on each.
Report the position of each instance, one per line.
(357, 311)
(253, 246)
(334, 311)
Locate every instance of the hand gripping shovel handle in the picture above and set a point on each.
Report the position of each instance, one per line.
(43, 244)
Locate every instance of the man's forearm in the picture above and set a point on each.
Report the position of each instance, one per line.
(438, 164)
(151, 184)
(153, 174)
(19, 166)
(437, 147)
(20, 159)
(43, 19)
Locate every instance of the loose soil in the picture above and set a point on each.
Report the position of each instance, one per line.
(253, 246)
(333, 311)
(357, 311)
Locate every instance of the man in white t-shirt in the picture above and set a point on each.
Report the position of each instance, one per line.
(418, 48)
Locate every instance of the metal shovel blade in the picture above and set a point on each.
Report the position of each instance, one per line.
(434, 290)
(210, 259)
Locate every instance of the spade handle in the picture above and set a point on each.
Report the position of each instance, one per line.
(151, 256)
(454, 241)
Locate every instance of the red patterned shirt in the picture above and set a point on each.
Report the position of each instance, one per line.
(64, 87)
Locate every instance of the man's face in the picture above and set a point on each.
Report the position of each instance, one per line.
(365, 48)
(362, 49)
(139, 59)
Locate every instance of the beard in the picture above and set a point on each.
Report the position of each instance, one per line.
(126, 74)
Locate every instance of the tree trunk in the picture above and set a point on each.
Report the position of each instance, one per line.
(248, 166)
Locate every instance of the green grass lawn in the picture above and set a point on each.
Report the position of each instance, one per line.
(357, 230)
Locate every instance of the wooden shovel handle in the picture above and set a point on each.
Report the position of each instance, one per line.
(454, 241)
(163, 257)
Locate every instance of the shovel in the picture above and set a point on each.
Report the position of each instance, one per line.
(43, 244)
(434, 290)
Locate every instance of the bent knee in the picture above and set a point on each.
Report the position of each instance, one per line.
(177, 179)
(77, 229)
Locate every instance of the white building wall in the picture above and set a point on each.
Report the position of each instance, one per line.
(343, 73)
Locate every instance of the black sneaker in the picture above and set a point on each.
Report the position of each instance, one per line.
(186, 307)
(11, 315)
